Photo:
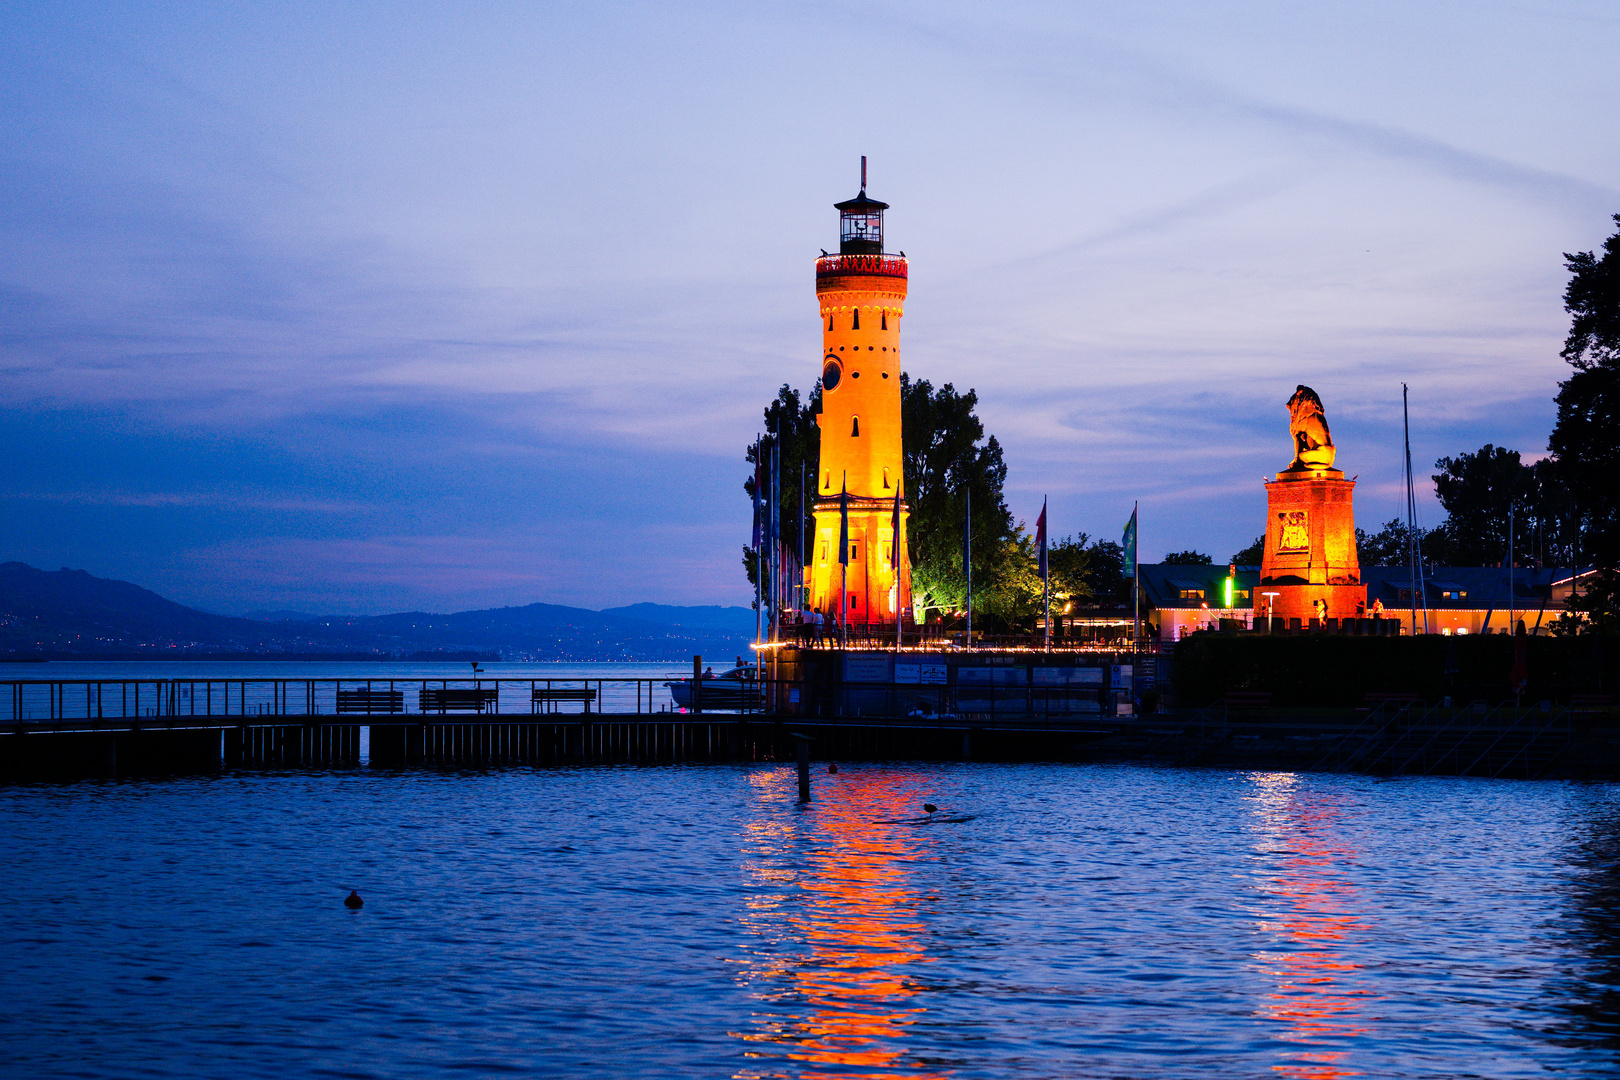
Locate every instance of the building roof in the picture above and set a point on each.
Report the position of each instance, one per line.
(1163, 584)
(860, 204)
(1479, 586)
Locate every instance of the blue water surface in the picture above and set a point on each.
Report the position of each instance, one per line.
(694, 920)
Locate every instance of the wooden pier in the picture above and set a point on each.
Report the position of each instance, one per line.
(981, 708)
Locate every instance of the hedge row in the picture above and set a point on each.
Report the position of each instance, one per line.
(1341, 671)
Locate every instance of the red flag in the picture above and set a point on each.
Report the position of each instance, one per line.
(1040, 539)
(894, 549)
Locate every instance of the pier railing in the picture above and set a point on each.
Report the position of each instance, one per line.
(47, 703)
(26, 701)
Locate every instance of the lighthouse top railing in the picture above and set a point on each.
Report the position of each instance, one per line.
(838, 265)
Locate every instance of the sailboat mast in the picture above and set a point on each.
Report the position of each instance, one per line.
(1414, 555)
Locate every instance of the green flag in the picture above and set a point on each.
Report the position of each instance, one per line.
(1129, 543)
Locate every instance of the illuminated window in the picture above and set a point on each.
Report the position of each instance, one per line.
(1192, 594)
(855, 427)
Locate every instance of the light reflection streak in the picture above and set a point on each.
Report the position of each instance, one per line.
(838, 932)
(1308, 908)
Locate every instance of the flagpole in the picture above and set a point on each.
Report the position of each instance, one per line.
(1046, 592)
(776, 538)
(1136, 587)
(765, 550)
(798, 580)
(895, 562)
(967, 563)
(843, 564)
(759, 569)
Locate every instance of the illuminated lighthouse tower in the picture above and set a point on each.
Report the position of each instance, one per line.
(862, 293)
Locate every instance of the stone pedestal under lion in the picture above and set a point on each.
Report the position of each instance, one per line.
(1310, 549)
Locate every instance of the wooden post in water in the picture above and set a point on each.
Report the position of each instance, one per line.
(697, 683)
(803, 747)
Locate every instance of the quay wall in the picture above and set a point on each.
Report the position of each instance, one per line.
(1325, 670)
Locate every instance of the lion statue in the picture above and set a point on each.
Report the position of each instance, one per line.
(1307, 423)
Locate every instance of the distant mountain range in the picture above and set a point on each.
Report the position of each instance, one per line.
(71, 614)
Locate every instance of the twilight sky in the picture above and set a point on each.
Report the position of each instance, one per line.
(367, 307)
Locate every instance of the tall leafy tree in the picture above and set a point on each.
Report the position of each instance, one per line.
(947, 455)
(1012, 596)
(1478, 491)
(1585, 441)
(1106, 571)
(793, 426)
(1188, 558)
(1071, 567)
(1386, 547)
(1251, 555)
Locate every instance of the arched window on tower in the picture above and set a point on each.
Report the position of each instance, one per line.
(826, 485)
(855, 319)
(885, 320)
(829, 322)
(855, 427)
(885, 479)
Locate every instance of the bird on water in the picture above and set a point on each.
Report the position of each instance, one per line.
(354, 902)
(930, 807)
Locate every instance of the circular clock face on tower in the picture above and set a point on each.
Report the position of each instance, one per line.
(831, 375)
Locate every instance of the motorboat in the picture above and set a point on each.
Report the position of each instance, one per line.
(736, 690)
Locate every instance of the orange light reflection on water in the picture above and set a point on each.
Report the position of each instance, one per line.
(836, 901)
(1310, 906)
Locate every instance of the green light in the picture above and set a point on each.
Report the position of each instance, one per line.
(1228, 592)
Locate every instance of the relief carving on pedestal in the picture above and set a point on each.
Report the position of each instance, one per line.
(1295, 532)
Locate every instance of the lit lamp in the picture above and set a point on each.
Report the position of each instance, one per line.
(1271, 602)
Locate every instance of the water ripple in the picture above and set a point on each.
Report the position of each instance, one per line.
(696, 921)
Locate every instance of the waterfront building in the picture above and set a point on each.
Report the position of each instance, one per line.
(857, 571)
(1178, 600)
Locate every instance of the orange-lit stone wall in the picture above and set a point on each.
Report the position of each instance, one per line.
(1310, 550)
(862, 300)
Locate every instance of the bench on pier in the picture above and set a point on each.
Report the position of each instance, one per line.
(1392, 703)
(446, 699)
(1258, 700)
(1590, 704)
(370, 701)
(551, 695)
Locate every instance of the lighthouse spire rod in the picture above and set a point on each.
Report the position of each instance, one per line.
(863, 172)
